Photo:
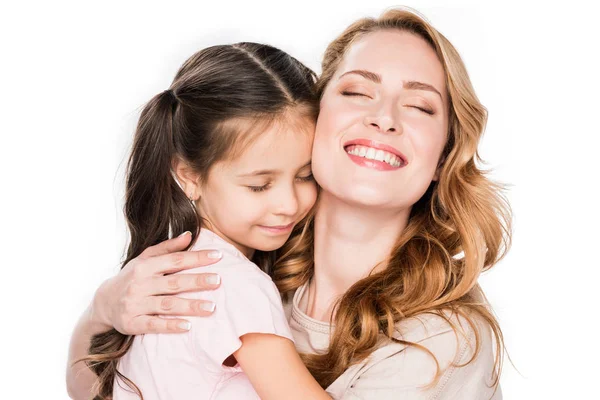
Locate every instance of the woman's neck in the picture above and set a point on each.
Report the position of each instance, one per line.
(349, 242)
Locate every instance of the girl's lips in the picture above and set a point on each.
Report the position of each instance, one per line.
(278, 229)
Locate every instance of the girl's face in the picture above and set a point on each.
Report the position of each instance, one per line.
(383, 122)
(255, 200)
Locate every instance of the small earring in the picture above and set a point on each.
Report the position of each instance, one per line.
(191, 197)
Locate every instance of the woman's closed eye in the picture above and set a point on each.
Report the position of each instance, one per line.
(350, 93)
(354, 94)
(426, 110)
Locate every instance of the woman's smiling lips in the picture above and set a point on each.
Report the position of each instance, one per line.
(371, 154)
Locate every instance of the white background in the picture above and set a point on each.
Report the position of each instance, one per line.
(75, 75)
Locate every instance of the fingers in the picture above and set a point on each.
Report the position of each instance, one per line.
(175, 262)
(153, 324)
(169, 246)
(180, 283)
(171, 305)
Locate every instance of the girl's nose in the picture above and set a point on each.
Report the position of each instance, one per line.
(286, 202)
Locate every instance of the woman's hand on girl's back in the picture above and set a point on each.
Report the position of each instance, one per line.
(133, 301)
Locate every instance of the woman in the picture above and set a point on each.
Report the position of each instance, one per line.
(404, 225)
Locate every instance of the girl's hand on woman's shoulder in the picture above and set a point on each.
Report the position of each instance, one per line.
(133, 301)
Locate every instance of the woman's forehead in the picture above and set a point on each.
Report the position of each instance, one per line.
(395, 56)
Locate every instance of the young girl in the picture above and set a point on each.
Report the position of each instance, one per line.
(223, 155)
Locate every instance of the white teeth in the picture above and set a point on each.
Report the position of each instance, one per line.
(373, 154)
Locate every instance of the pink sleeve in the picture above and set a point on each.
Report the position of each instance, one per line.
(245, 303)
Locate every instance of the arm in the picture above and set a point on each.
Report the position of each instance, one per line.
(80, 378)
(275, 369)
(250, 324)
(131, 301)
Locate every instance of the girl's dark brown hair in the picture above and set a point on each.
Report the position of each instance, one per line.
(200, 119)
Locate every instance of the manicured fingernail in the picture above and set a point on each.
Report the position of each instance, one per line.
(185, 233)
(213, 279)
(210, 307)
(214, 254)
(185, 325)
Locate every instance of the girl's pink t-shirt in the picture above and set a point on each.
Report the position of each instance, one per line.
(190, 365)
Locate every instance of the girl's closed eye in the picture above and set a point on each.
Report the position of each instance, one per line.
(306, 178)
(257, 189)
(266, 186)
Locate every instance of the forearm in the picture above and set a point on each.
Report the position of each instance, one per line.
(80, 378)
(276, 370)
(112, 303)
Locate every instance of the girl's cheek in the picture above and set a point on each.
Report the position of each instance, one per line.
(310, 197)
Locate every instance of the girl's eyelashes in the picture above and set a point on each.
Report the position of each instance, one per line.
(308, 178)
(266, 186)
(258, 189)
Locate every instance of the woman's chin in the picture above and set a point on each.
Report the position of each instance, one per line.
(365, 196)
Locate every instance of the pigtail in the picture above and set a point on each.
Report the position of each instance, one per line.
(155, 208)
(155, 205)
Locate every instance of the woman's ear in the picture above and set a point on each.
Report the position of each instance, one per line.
(188, 179)
(438, 171)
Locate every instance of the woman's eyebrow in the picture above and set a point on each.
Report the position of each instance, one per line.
(409, 85)
(372, 76)
(416, 85)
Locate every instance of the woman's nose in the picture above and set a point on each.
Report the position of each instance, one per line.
(383, 123)
(383, 120)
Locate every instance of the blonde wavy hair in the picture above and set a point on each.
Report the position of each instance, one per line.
(459, 228)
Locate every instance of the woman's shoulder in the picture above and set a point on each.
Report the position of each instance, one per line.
(443, 356)
(453, 338)
(464, 326)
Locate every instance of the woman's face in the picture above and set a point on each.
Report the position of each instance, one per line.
(383, 122)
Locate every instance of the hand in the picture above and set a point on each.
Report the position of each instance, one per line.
(133, 301)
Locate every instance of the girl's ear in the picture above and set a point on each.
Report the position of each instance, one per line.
(188, 179)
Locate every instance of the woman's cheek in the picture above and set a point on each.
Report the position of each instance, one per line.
(427, 137)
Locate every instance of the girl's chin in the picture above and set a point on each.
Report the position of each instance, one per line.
(270, 243)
